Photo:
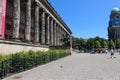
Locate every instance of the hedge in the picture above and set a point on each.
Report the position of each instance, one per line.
(22, 61)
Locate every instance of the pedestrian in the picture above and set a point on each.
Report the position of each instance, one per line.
(112, 53)
(106, 51)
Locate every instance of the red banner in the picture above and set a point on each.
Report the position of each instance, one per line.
(3, 17)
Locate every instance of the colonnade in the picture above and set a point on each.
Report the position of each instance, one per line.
(48, 30)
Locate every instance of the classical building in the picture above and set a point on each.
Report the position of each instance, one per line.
(114, 25)
(30, 24)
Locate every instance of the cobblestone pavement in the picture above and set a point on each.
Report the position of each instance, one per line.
(75, 67)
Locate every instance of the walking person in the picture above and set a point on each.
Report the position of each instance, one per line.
(112, 53)
(106, 51)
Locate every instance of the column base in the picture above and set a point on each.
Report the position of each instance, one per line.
(15, 40)
(47, 43)
(27, 41)
(37, 43)
(42, 43)
(1, 38)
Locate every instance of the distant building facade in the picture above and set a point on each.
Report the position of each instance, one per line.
(30, 24)
(114, 25)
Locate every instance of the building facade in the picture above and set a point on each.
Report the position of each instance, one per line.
(30, 24)
(114, 25)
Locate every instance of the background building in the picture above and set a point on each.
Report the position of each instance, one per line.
(30, 25)
(114, 25)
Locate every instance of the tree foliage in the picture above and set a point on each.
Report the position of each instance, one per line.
(91, 43)
(118, 43)
(104, 44)
(111, 44)
(79, 43)
(97, 45)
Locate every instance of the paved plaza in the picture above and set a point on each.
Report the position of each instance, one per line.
(78, 66)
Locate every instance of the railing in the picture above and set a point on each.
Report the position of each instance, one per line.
(12, 66)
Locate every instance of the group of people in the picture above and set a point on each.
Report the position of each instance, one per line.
(112, 53)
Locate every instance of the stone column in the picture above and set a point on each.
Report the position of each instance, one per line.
(28, 21)
(51, 30)
(37, 24)
(60, 36)
(43, 28)
(16, 20)
(0, 18)
(64, 36)
(48, 31)
(71, 43)
(55, 34)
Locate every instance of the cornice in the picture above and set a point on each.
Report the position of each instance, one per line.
(53, 11)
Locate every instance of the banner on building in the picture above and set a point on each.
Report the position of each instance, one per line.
(3, 17)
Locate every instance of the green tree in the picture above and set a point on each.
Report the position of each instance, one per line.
(118, 43)
(97, 38)
(75, 42)
(111, 44)
(104, 44)
(82, 44)
(79, 43)
(90, 43)
(97, 45)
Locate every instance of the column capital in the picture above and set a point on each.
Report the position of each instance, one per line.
(42, 11)
(36, 3)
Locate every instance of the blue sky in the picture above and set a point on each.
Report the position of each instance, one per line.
(86, 18)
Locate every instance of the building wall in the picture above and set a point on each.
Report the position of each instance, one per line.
(114, 33)
(8, 47)
(114, 25)
(31, 25)
(0, 11)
